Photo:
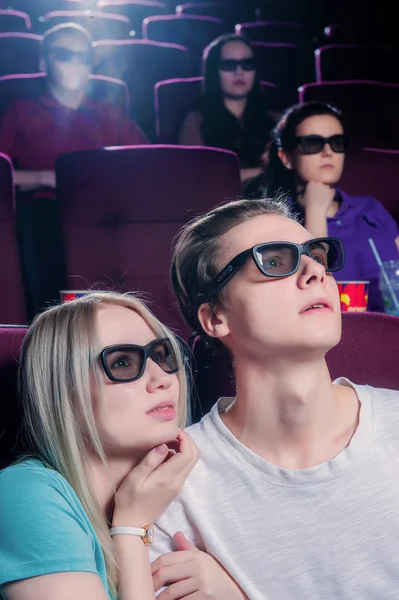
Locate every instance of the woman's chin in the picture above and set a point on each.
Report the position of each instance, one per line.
(165, 434)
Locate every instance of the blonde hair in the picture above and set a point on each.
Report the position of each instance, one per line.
(59, 361)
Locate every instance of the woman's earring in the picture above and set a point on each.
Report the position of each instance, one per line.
(288, 165)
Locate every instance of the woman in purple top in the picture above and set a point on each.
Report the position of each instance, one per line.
(306, 160)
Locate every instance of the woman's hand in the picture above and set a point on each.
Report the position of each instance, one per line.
(152, 485)
(193, 575)
(317, 196)
(317, 200)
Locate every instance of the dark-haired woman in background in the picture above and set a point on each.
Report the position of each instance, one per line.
(232, 112)
(306, 160)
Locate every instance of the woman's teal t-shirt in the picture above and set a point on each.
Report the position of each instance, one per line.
(44, 527)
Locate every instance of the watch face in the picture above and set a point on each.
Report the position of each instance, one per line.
(150, 534)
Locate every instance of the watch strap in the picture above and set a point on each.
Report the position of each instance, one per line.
(146, 533)
(127, 531)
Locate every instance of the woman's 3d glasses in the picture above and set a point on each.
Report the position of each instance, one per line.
(127, 362)
(314, 144)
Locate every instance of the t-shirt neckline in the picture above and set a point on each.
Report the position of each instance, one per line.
(357, 446)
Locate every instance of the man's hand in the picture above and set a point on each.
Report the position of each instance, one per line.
(191, 574)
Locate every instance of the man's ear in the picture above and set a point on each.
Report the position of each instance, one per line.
(214, 323)
(285, 158)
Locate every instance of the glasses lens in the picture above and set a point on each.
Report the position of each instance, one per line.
(228, 64)
(311, 144)
(61, 54)
(124, 362)
(163, 354)
(277, 259)
(232, 64)
(329, 253)
(338, 143)
(248, 64)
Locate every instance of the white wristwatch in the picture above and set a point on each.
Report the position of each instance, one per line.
(146, 533)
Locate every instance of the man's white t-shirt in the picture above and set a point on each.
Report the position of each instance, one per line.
(330, 532)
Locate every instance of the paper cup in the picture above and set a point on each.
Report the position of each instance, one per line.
(354, 295)
(68, 295)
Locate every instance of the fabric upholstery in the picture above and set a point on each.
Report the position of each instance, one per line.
(12, 299)
(174, 98)
(274, 31)
(356, 61)
(285, 65)
(192, 31)
(19, 53)
(14, 20)
(122, 207)
(124, 59)
(102, 26)
(11, 339)
(135, 10)
(375, 172)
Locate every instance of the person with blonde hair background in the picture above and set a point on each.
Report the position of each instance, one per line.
(103, 389)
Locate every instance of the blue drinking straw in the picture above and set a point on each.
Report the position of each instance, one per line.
(384, 274)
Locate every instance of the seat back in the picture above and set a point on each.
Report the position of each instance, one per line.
(11, 338)
(14, 20)
(36, 9)
(367, 354)
(281, 64)
(20, 53)
(122, 207)
(369, 350)
(356, 61)
(356, 33)
(174, 98)
(12, 297)
(274, 31)
(360, 102)
(374, 172)
(228, 13)
(135, 10)
(191, 31)
(27, 85)
(124, 59)
(102, 26)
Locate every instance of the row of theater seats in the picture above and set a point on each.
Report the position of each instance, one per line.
(173, 45)
(121, 208)
(370, 107)
(120, 18)
(160, 106)
(228, 11)
(364, 355)
(329, 62)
